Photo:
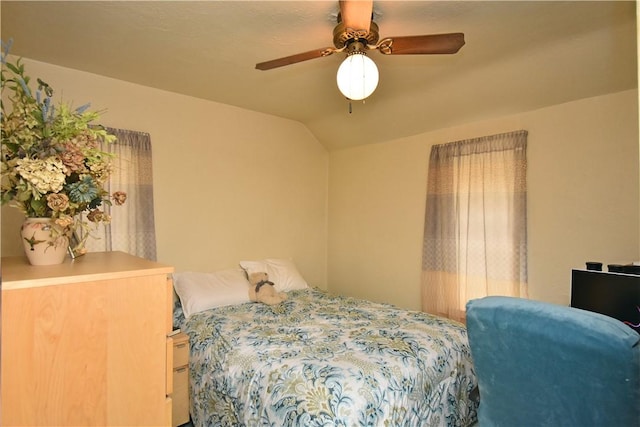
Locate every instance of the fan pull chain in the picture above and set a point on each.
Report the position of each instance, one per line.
(351, 107)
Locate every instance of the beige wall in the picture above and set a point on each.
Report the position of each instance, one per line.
(229, 184)
(583, 200)
(232, 184)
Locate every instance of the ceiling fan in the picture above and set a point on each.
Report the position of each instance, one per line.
(355, 34)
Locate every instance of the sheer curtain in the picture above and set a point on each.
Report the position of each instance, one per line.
(132, 228)
(475, 233)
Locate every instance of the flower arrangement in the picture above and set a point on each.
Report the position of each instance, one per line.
(52, 165)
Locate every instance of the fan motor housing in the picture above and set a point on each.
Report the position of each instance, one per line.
(342, 36)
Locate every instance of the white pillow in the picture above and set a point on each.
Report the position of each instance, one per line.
(202, 291)
(282, 272)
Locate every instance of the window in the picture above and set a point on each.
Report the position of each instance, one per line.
(132, 227)
(475, 234)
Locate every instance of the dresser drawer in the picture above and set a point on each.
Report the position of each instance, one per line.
(180, 350)
(180, 412)
(180, 376)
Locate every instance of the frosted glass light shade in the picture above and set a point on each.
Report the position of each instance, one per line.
(357, 77)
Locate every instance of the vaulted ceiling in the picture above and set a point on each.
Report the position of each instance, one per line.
(518, 56)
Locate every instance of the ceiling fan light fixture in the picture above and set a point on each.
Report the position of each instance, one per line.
(357, 76)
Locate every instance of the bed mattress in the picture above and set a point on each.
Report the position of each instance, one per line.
(324, 360)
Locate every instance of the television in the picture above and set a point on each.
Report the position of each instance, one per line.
(616, 295)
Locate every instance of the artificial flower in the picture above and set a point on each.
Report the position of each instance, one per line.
(52, 165)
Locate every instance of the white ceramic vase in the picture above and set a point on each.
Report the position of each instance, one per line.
(42, 244)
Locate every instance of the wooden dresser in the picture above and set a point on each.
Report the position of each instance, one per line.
(85, 343)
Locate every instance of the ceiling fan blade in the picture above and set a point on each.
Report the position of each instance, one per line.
(356, 14)
(293, 59)
(416, 45)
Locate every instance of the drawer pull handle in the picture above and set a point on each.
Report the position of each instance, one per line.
(183, 345)
(180, 370)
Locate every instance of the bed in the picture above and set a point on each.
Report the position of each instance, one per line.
(319, 359)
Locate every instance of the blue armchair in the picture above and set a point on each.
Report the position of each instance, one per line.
(541, 364)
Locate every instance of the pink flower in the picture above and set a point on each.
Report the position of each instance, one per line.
(119, 197)
(72, 158)
(64, 221)
(96, 215)
(57, 201)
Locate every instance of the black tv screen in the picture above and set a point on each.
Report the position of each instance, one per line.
(613, 294)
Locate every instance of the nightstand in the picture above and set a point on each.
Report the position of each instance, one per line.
(180, 396)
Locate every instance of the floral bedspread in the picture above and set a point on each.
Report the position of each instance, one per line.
(324, 360)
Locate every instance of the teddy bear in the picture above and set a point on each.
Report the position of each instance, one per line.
(263, 290)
